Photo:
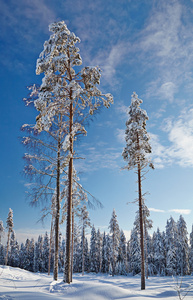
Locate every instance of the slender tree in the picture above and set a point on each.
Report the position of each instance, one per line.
(10, 229)
(66, 91)
(115, 236)
(85, 222)
(135, 154)
(1, 230)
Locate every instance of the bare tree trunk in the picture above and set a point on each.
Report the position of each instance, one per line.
(83, 250)
(141, 223)
(69, 209)
(50, 249)
(113, 260)
(8, 238)
(57, 214)
(141, 230)
(146, 254)
(72, 246)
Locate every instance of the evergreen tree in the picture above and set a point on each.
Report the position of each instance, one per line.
(13, 259)
(137, 146)
(159, 258)
(2, 255)
(171, 247)
(84, 223)
(98, 251)
(115, 236)
(122, 255)
(182, 248)
(135, 255)
(10, 229)
(191, 252)
(86, 257)
(93, 250)
(104, 258)
(45, 253)
(1, 230)
(64, 91)
(77, 256)
(38, 255)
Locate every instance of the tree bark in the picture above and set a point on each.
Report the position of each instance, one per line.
(57, 215)
(141, 223)
(83, 234)
(69, 209)
(72, 246)
(50, 249)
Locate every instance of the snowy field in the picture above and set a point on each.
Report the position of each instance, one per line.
(23, 285)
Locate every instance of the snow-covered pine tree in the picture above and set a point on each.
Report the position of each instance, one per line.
(93, 249)
(104, 259)
(13, 259)
(159, 250)
(65, 90)
(122, 254)
(147, 223)
(191, 252)
(84, 223)
(171, 247)
(10, 229)
(115, 237)
(2, 255)
(2, 229)
(135, 154)
(106, 251)
(134, 250)
(45, 253)
(98, 250)
(77, 255)
(38, 255)
(86, 256)
(182, 248)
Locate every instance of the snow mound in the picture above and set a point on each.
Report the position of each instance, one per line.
(17, 284)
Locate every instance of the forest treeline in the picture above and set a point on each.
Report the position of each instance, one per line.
(166, 253)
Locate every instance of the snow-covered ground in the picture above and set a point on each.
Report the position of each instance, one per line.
(23, 285)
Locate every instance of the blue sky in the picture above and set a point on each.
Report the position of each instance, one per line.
(141, 46)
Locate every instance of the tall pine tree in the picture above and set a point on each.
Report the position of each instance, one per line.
(135, 154)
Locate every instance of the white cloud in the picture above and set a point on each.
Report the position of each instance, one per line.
(175, 210)
(120, 134)
(98, 158)
(179, 149)
(181, 211)
(156, 210)
(166, 46)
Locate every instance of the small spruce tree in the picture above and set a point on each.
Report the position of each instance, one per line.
(10, 229)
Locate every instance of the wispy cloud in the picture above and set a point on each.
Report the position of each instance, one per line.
(167, 48)
(98, 158)
(156, 210)
(181, 211)
(175, 210)
(23, 22)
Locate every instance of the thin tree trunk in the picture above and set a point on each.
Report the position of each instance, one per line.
(72, 246)
(141, 224)
(83, 251)
(69, 210)
(8, 238)
(57, 215)
(113, 265)
(146, 254)
(50, 249)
